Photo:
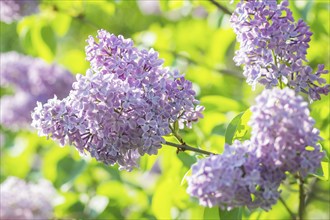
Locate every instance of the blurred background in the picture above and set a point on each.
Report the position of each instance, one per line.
(192, 36)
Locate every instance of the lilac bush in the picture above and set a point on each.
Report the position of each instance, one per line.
(22, 200)
(126, 103)
(273, 48)
(123, 106)
(31, 80)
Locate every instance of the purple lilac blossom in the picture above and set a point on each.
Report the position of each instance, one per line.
(233, 178)
(282, 129)
(22, 200)
(249, 174)
(273, 48)
(31, 80)
(13, 10)
(123, 106)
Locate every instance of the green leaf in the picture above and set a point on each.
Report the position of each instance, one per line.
(325, 158)
(243, 130)
(232, 128)
(184, 182)
(68, 170)
(220, 104)
(219, 130)
(48, 37)
(37, 37)
(61, 24)
(186, 159)
(9, 39)
(323, 171)
(234, 214)
(211, 213)
(24, 31)
(238, 127)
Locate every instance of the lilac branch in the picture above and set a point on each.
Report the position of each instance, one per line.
(184, 147)
(221, 7)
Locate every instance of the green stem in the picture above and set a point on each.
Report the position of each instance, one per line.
(281, 83)
(276, 64)
(184, 147)
(301, 199)
(176, 135)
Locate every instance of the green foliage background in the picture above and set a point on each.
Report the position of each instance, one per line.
(196, 38)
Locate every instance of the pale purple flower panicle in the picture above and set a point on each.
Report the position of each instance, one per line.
(21, 200)
(31, 80)
(122, 107)
(282, 129)
(273, 47)
(249, 174)
(13, 10)
(235, 178)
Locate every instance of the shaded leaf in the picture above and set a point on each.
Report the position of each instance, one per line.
(211, 213)
(186, 159)
(68, 170)
(234, 214)
(219, 130)
(323, 171)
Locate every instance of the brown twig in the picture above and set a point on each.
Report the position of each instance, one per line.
(221, 7)
(184, 147)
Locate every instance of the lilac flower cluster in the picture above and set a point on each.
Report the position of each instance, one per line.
(273, 48)
(122, 107)
(250, 173)
(282, 129)
(228, 180)
(21, 200)
(32, 80)
(13, 10)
